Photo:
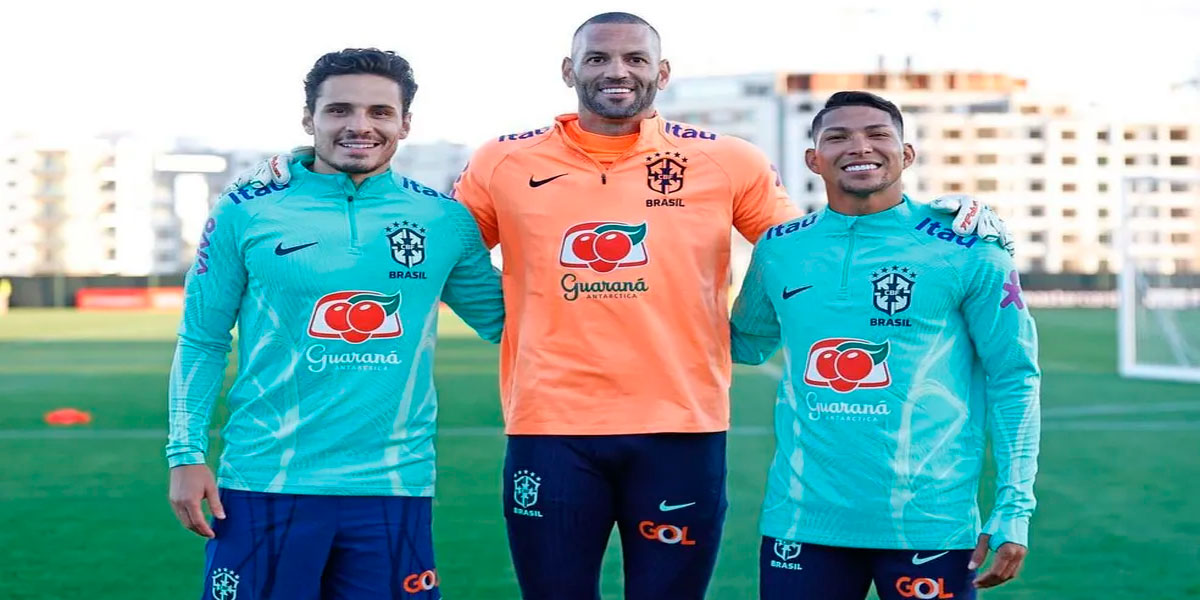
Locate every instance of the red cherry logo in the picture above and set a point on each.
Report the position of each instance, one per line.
(854, 365)
(337, 316)
(825, 363)
(613, 246)
(584, 248)
(367, 316)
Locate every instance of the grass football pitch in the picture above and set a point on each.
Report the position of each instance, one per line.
(83, 511)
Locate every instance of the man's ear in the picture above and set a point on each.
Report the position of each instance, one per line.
(307, 122)
(568, 71)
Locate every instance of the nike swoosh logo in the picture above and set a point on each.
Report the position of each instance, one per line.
(540, 182)
(663, 506)
(280, 250)
(789, 293)
(917, 560)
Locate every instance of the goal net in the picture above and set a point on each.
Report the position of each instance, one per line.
(1158, 308)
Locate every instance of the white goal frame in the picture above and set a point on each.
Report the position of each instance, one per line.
(1127, 279)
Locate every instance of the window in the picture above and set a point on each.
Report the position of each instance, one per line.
(1105, 238)
(952, 159)
(809, 186)
(1129, 135)
(1102, 213)
(986, 132)
(1180, 213)
(1104, 266)
(1068, 160)
(1068, 187)
(1179, 186)
(1179, 134)
(1179, 238)
(1037, 211)
(952, 186)
(1102, 136)
(108, 186)
(1070, 238)
(1180, 161)
(1101, 160)
(1036, 159)
(1037, 264)
(951, 134)
(1037, 185)
(1030, 109)
(876, 81)
(1130, 160)
(1182, 265)
(1035, 133)
(986, 185)
(1037, 236)
(1067, 134)
(1069, 212)
(111, 254)
(986, 159)
(1102, 186)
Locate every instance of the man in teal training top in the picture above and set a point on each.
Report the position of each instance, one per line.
(334, 282)
(904, 345)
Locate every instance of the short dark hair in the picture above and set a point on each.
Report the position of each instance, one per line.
(841, 99)
(351, 61)
(616, 18)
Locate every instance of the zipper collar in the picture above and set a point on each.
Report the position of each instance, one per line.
(650, 136)
(340, 184)
(899, 213)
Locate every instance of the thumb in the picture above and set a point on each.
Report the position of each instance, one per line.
(980, 553)
(946, 204)
(214, 500)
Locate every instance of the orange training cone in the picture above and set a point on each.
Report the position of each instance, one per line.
(67, 417)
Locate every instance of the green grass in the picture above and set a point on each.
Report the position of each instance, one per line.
(1119, 514)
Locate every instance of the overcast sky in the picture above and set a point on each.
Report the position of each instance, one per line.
(229, 73)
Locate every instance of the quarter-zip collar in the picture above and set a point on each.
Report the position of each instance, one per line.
(649, 135)
(890, 217)
(340, 184)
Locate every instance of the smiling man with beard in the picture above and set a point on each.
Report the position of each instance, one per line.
(905, 345)
(327, 472)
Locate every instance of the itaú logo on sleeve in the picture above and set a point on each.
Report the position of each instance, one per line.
(603, 246)
(356, 316)
(846, 364)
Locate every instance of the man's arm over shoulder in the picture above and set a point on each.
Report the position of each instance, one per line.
(759, 199)
(754, 327)
(1005, 339)
(473, 288)
(213, 293)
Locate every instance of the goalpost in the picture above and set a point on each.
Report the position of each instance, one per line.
(1158, 306)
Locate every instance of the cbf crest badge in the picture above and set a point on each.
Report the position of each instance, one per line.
(407, 241)
(664, 172)
(224, 584)
(525, 488)
(893, 288)
(786, 550)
